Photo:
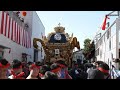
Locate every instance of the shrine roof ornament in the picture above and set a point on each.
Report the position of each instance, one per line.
(59, 29)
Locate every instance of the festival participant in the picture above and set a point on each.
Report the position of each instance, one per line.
(50, 75)
(93, 65)
(16, 70)
(25, 69)
(4, 65)
(34, 71)
(29, 63)
(43, 70)
(64, 70)
(102, 72)
(55, 68)
(39, 64)
(74, 71)
(77, 73)
(97, 63)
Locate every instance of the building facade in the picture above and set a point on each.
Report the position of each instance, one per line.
(108, 45)
(78, 56)
(17, 30)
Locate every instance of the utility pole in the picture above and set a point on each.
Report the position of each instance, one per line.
(111, 13)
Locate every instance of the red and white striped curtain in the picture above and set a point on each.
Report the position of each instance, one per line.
(12, 30)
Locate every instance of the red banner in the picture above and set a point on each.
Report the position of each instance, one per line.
(12, 30)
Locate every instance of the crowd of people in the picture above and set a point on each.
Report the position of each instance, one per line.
(56, 70)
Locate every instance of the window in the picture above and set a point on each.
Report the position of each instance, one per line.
(100, 53)
(108, 62)
(110, 32)
(112, 56)
(97, 52)
(110, 44)
(101, 40)
(107, 34)
(81, 57)
(104, 37)
(78, 57)
(41, 52)
(96, 45)
(119, 53)
(1, 54)
(35, 55)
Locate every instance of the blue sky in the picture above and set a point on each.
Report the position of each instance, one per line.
(83, 24)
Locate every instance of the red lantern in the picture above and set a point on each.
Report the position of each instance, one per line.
(24, 13)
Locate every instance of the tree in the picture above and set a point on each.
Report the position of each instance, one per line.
(89, 49)
(86, 45)
(92, 50)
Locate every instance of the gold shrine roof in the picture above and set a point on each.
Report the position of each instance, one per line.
(59, 29)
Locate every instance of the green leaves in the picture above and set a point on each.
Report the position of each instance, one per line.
(89, 47)
(86, 45)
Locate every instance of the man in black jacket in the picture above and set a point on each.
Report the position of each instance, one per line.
(102, 72)
(77, 73)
